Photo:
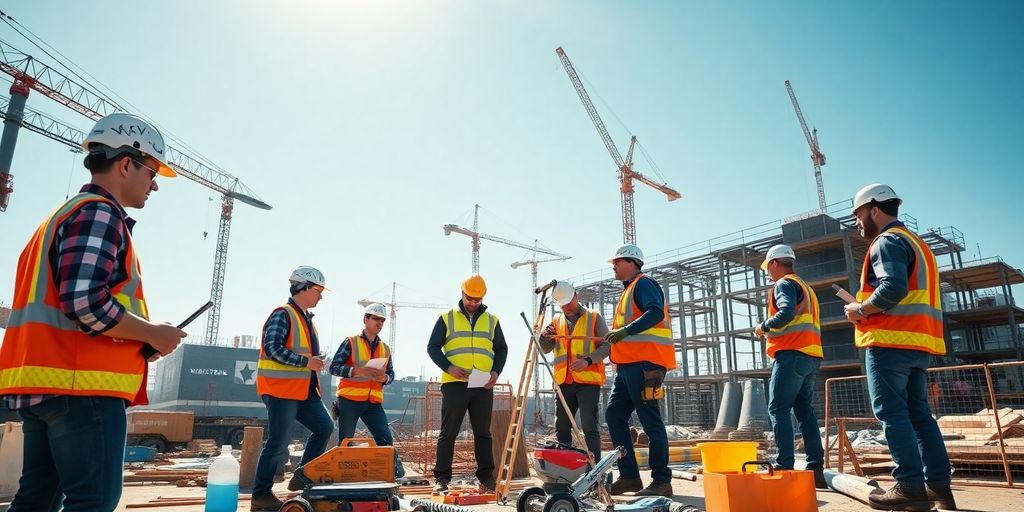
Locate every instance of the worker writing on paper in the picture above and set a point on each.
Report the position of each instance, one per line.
(363, 361)
(577, 337)
(467, 338)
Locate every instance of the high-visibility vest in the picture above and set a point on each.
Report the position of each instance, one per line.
(803, 333)
(468, 346)
(45, 352)
(915, 323)
(283, 380)
(578, 346)
(362, 389)
(655, 345)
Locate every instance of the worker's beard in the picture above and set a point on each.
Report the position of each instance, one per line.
(870, 228)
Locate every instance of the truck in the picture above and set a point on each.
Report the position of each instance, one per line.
(168, 430)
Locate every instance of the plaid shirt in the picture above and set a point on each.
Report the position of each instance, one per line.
(87, 259)
(275, 333)
(339, 368)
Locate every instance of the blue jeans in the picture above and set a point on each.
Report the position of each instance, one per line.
(626, 396)
(897, 381)
(791, 388)
(281, 415)
(376, 421)
(74, 449)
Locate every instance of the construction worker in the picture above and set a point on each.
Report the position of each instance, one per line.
(287, 380)
(577, 337)
(897, 319)
(643, 350)
(361, 388)
(467, 339)
(793, 331)
(75, 348)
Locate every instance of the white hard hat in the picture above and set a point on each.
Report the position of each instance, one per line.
(563, 293)
(775, 252)
(376, 309)
(306, 274)
(627, 251)
(874, 192)
(127, 132)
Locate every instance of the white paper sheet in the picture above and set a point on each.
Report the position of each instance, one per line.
(478, 378)
(379, 363)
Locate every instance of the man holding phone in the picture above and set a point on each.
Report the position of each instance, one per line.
(287, 381)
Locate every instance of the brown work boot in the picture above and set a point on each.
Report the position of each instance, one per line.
(941, 495)
(657, 489)
(623, 485)
(265, 502)
(901, 497)
(487, 486)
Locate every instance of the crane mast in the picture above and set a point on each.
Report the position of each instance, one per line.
(817, 157)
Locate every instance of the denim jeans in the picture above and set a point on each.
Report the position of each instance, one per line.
(376, 421)
(791, 388)
(281, 416)
(74, 452)
(626, 396)
(897, 381)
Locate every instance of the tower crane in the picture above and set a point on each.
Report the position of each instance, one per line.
(817, 157)
(475, 236)
(393, 306)
(533, 262)
(625, 166)
(30, 74)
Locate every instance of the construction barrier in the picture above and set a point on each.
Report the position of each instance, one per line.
(979, 409)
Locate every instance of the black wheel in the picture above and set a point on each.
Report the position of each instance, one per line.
(561, 502)
(153, 442)
(296, 504)
(523, 502)
(235, 437)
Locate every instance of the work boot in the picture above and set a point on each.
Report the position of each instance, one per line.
(901, 497)
(623, 485)
(819, 478)
(657, 489)
(487, 486)
(299, 481)
(265, 502)
(941, 495)
(441, 486)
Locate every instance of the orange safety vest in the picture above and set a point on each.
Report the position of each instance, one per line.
(283, 380)
(578, 346)
(803, 333)
(363, 389)
(915, 323)
(45, 352)
(655, 345)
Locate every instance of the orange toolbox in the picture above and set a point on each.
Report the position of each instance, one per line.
(464, 497)
(774, 491)
(349, 463)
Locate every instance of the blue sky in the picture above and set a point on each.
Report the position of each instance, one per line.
(369, 125)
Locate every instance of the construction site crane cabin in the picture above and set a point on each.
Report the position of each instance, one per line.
(202, 396)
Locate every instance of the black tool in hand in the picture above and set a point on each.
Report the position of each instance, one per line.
(148, 351)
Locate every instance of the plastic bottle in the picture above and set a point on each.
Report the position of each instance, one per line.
(222, 483)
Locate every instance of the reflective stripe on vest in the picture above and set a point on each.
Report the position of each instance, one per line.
(283, 380)
(803, 333)
(580, 345)
(915, 323)
(45, 352)
(468, 346)
(363, 389)
(654, 345)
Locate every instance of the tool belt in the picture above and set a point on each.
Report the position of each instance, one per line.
(654, 381)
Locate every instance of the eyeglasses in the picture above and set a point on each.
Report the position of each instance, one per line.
(148, 168)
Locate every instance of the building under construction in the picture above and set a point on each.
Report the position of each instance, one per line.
(717, 294)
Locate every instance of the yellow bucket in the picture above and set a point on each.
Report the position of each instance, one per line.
(723, 457)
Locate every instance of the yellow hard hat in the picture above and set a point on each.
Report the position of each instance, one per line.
(474, 286)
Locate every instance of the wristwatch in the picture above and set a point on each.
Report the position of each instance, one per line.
(860, 311)
(589, 360)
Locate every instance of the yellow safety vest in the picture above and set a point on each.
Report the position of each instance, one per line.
(468, 346)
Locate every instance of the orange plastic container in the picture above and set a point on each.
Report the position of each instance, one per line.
(774, 491)
(348, 463)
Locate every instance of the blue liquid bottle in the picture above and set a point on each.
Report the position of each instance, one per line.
(222, 483)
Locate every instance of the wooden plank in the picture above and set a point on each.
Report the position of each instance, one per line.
(252, 444)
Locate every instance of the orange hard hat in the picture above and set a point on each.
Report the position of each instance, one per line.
(474, 286)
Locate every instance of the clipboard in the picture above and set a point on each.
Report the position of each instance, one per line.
(843, 294)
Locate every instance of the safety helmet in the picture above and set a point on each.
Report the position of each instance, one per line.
(126, 132)
(776, 252)
(376, 309)
(306, 274)
(874, 192)
(474, 286)
(627, 251)
(563, 293)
